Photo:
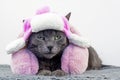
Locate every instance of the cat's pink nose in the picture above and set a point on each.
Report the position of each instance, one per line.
(50, 48)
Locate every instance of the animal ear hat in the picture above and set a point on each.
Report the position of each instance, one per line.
(74, 59)
(45, 19)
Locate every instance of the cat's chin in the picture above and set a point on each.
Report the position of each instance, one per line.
(49, 56)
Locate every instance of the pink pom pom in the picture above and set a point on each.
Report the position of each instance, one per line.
(43, 10)
(24, 62)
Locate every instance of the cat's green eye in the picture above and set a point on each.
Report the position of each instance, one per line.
(57, 37)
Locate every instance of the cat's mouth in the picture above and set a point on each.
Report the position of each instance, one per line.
(49, 55)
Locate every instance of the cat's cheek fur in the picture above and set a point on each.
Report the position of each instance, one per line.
(74, 59)
(43, 50)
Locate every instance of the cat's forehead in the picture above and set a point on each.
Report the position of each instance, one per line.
(49, 32)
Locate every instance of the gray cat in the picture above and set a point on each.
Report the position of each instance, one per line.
(48, 46)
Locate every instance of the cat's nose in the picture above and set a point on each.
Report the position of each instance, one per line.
(50, 48)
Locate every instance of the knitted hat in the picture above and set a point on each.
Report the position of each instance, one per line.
(45, 19)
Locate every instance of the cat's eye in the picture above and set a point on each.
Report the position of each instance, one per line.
(41, 37)
(57, 37)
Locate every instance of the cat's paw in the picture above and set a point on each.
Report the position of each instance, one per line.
(58, 73)
(94, 68)
(44, 72)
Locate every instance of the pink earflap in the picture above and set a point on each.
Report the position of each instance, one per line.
(24, 62)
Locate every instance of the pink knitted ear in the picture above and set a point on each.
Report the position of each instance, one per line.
(24, 62)
(66, 27)
(27, 24)
(74, 59)
(27, 29)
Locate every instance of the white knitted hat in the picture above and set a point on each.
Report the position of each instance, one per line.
(42, 21)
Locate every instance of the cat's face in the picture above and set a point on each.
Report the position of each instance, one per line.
(47, 43)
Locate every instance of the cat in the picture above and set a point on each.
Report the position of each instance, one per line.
(94, 61)
(48, 46)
